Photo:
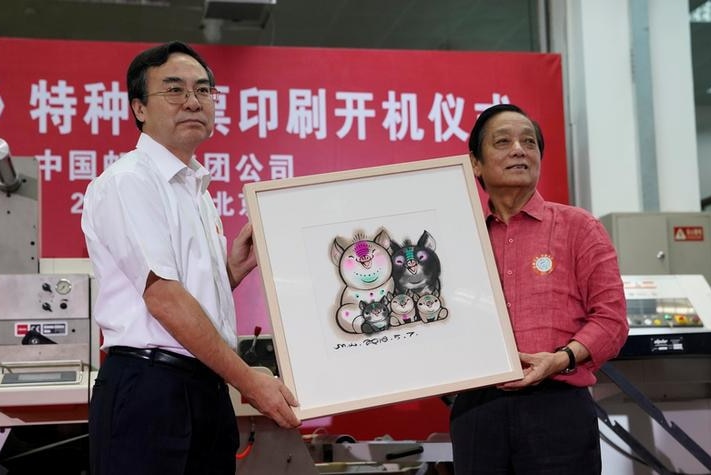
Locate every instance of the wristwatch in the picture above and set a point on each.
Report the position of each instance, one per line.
(571, 359)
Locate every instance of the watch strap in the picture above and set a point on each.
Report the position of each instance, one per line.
(571, 359)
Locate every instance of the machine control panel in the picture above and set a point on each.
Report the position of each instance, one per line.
(667, 315)
(44, 296)
(662, 312)
(44, 308)
(45, 335)
(659, 303)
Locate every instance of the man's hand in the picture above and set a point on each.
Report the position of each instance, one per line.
(269, 396)
(536, 368)
(242, 258)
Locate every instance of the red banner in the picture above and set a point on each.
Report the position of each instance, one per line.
(283, 112)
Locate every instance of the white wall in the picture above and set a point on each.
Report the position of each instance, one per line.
(673, 96)
(602, 111)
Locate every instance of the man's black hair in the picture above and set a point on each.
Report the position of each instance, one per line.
(476, 137)
(151, 58)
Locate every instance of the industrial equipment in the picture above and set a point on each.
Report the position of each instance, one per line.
(19, 214)
(46, 340)
(44, 345)
(665, 260)
(668, 315)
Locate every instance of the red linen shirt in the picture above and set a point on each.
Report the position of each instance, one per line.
(560, 277)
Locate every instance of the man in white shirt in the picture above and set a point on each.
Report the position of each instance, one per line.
(165, 308)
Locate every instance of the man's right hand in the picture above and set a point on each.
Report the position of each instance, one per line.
(271, 397)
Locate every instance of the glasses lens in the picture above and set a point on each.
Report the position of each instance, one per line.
(181, 95)
(176, 97)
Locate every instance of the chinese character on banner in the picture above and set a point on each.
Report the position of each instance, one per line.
(105, 105)
(223, 203)
(218, 164)
(282, 166)
(307, 113)
(401, 117)
(56, 103)
(258, 108)
(82, 165)
(222, 121)
(110, 158)
(447, 110)
(496, 98)
(49, 163)
(354, 108)
(249, 168)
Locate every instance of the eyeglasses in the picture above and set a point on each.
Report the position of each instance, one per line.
(180, 95)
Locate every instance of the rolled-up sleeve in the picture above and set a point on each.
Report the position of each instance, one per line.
(605, 329)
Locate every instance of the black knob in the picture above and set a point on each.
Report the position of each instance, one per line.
(46, 307)
(46, 287)
(63, 305)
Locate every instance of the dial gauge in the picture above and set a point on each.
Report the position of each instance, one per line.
(63, 287)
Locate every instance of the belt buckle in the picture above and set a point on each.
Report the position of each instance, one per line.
(152, 355)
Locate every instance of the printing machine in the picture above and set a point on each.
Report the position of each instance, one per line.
(46, 337)
(668, 315)
(44, 345)
(664, 362)
(665, 259)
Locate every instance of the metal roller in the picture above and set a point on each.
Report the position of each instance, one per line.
(9, 181)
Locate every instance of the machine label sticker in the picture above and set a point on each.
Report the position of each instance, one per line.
(688, 233)
(44, 328)
(666, 344)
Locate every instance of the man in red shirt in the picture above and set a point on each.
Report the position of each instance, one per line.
(565, 298)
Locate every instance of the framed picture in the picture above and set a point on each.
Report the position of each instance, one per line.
(381, 285)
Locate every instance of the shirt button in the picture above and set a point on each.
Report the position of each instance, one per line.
(510, 240)
(509, 272)
(508, 304)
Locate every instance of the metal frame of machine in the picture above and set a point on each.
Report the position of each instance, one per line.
(47, 346)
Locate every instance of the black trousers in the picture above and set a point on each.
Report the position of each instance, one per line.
(149, 418)
(549, 429)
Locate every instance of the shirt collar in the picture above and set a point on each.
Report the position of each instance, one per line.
(169, 165)
(534, 208)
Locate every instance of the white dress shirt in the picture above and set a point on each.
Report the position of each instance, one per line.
(150, 212)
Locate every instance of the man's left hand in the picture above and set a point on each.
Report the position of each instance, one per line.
(536, 368)
(242, 258)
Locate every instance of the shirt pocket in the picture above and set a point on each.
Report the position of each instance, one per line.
(536, 303)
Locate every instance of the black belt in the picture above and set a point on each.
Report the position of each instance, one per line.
(166, 358)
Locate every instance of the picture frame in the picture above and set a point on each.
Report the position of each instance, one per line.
(338, 251)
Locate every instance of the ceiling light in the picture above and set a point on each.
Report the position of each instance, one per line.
(246, 12)
(702, 13)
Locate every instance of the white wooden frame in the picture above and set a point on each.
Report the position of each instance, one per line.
(330, 371)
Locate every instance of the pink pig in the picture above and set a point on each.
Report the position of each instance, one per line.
(365, 268)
